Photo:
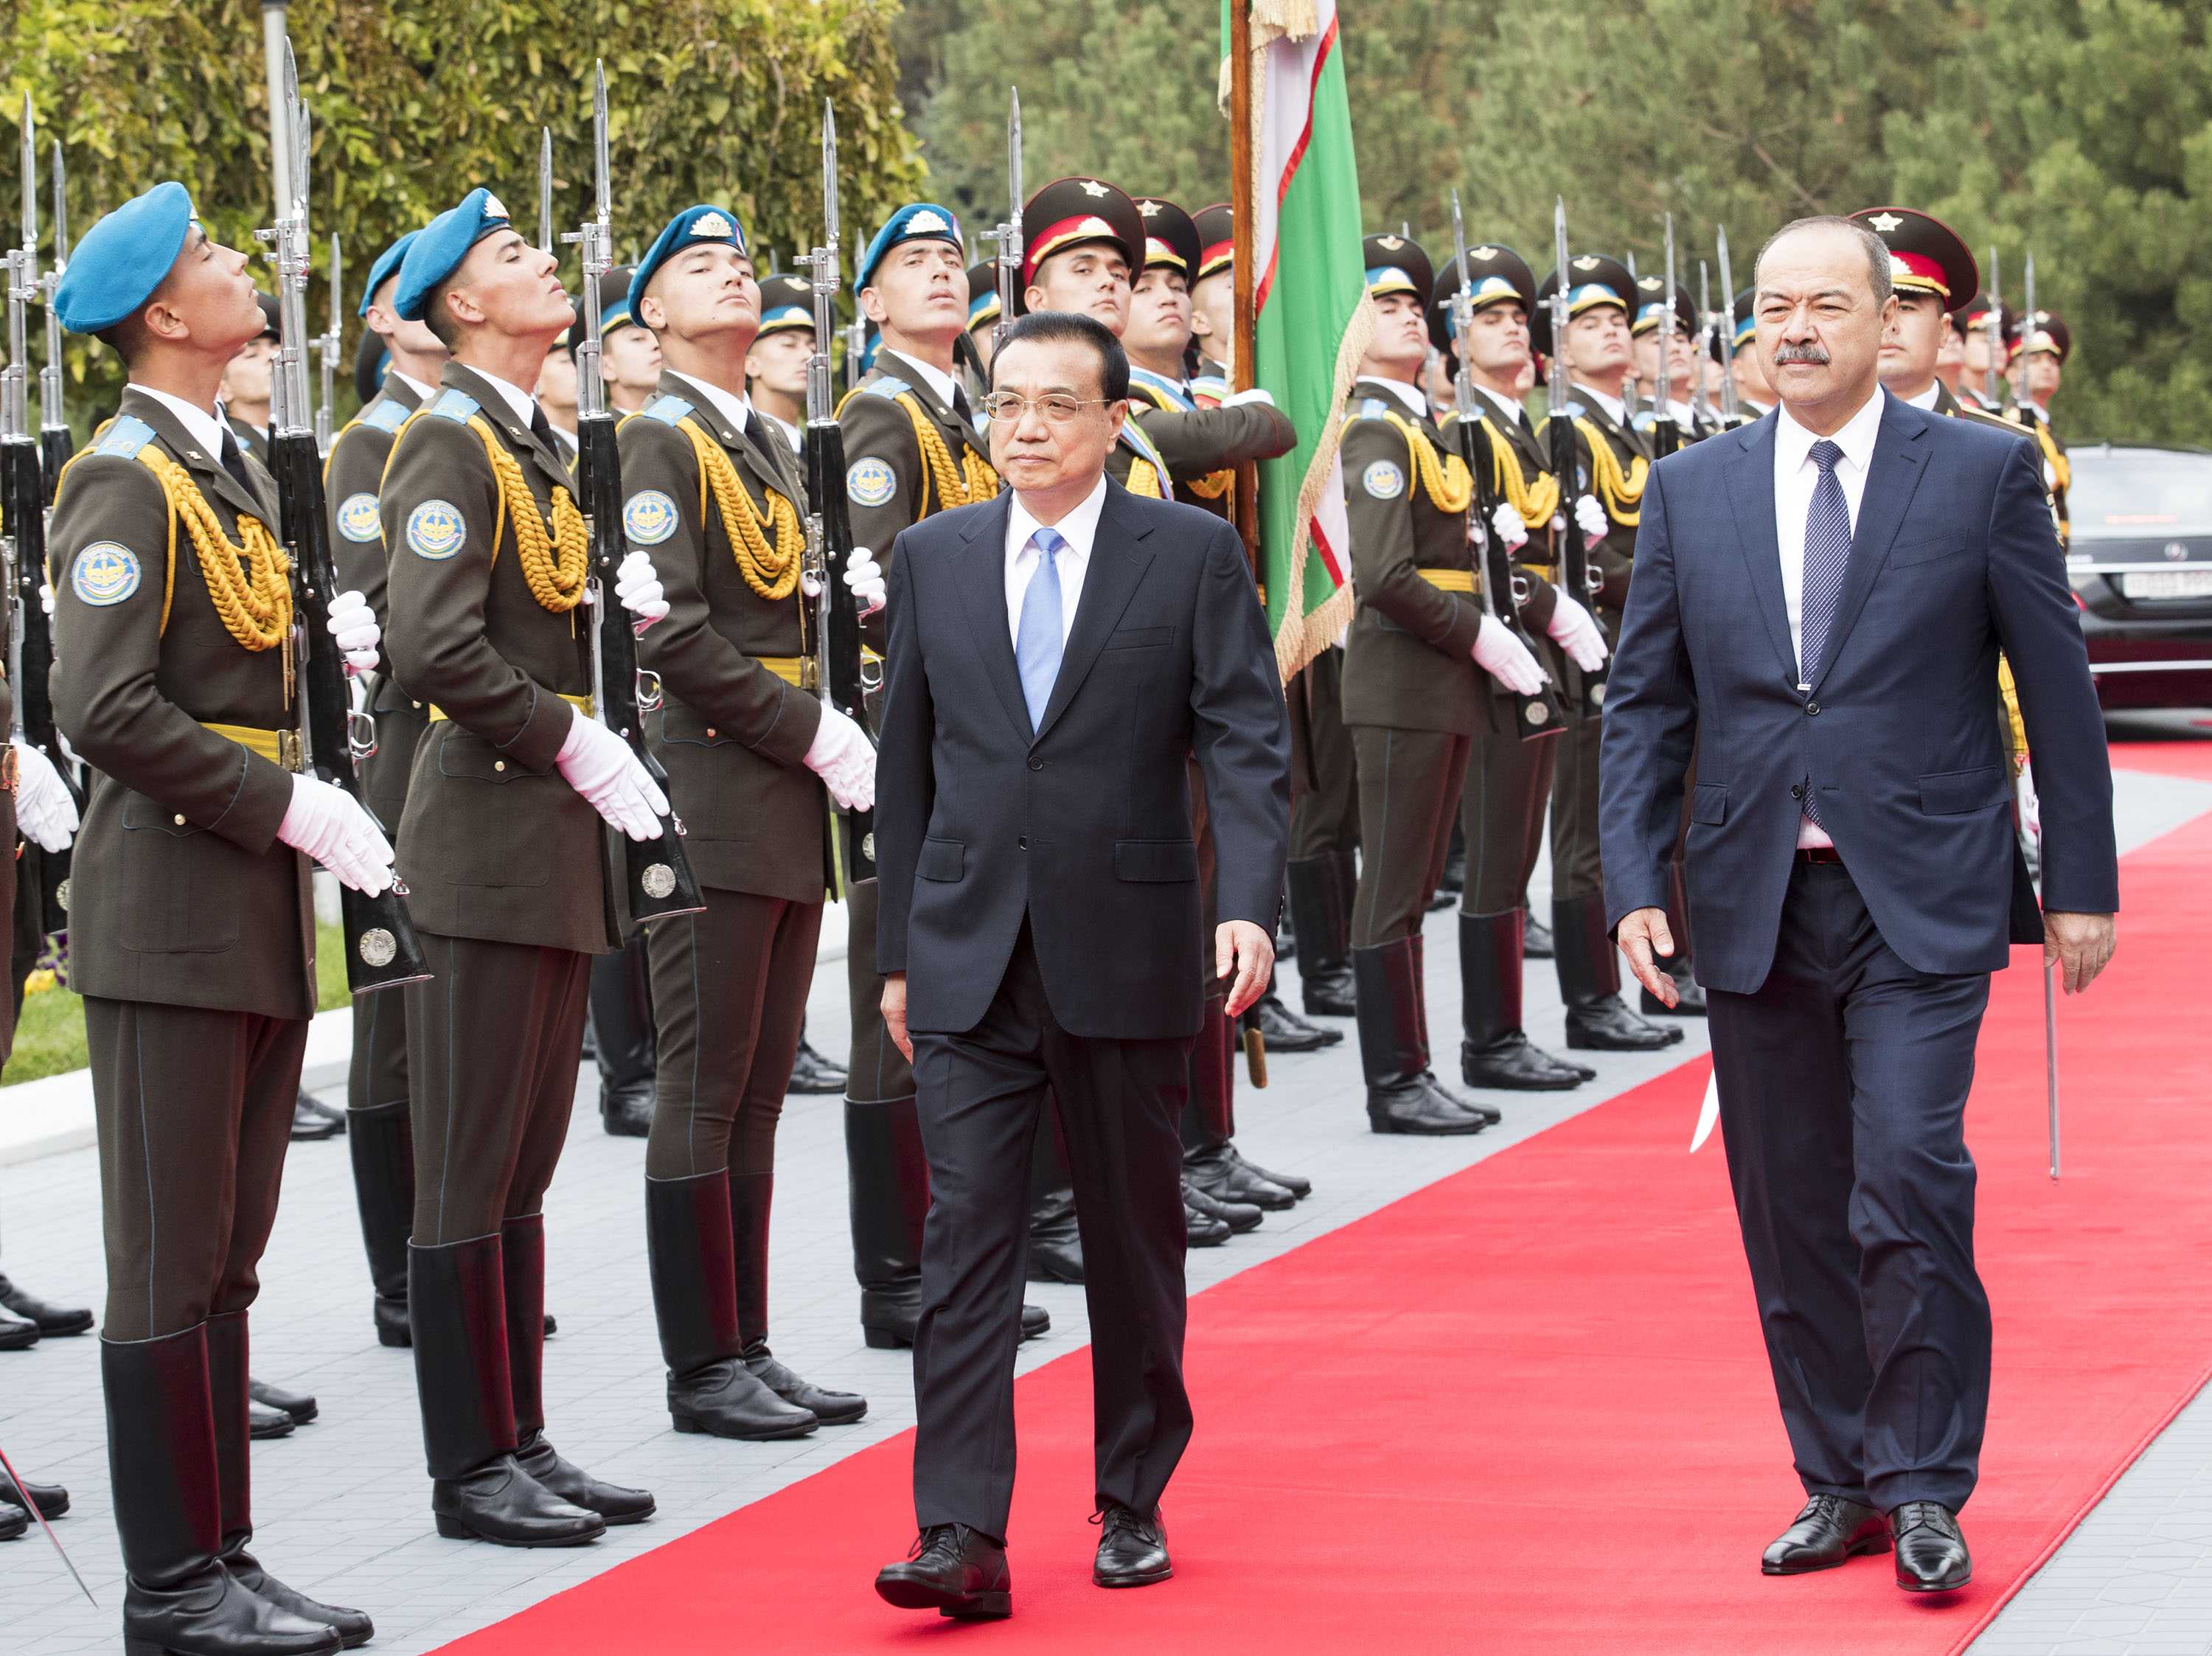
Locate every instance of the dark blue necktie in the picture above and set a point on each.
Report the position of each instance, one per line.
(1827, 555)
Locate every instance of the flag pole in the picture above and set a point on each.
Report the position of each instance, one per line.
(1246, 496)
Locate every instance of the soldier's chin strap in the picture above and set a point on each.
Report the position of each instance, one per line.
(31, 1507)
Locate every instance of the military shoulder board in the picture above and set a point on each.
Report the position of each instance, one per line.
(385, 415)
(125, 436)
(887, 386)
(667, 410)
(1372, 408)
(456, 406)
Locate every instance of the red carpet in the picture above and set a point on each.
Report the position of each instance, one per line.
(1527, 1408)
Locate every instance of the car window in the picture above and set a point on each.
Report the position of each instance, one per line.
(2134, 493)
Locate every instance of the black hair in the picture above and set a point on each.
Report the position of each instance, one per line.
(445, 327)
(1066, 327)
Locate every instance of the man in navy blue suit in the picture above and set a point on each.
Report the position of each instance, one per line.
(1817, 606)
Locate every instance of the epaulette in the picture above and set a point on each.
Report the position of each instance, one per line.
(887, 386)
(125, 436)
(667, 410)
(1371, 408)
(385, 414)
(455, 406)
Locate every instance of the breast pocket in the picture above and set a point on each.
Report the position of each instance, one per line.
(177, 897)
(1919, 552)
(1139, 638)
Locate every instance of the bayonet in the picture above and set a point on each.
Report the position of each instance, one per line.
(1580, 577)
(1633, 388)
(1666, 430)
(1007, 237)
(326, 352)
(2027, 325)
(544, 189)
(1706, 332)
(1731, 409)
(1993, 336)
(55, 443)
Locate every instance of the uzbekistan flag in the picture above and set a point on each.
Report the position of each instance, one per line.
(1313, 316)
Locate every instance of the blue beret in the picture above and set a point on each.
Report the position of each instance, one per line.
(123, 259)
(689, 228)
(440, 246)
(920, 220)
(386, 263)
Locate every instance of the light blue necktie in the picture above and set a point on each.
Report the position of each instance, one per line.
(1827, 555)
(1037, 640)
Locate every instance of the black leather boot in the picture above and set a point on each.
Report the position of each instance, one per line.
(51, 1499)
(622, 1013)
(382, 1138)
(16, 1333)
(812, 1074)
(1285, 1031)
(693, 1262)
(457, 1309)
(1210, 1162)
(1239, 1217)
(168, 1512)
(1590, 980)
(14, 1523)
(1321, 906)
(1055, 1244)
(522, 1266)
(751, 1196)
(1403, 1094)
(300, 1406)
(226, 1350)
(54, 1321)
(1495, 1050)
(888, 1179)
(1201, 1230)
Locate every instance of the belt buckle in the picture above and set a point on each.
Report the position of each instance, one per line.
(290, 752)
(809, 673)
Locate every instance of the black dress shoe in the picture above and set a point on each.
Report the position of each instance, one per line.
(1133, 1550)
(890, 1313)
(1422, 1106)
(52, 1320)
(1513, 1063)
(298, 1404)
(52, 1500)
(830, 1408)
(1285, 1031)
(1536, 940)
(17, 1333)
(311, 1121)
(503, 1504)
(728, 1399)
(1931, 1552)
(812, 1073)
(627, 1110)
(1829, 1530)
(953, 1570)
(1299, 1187)
(1604, 1025)
(1239, 1217)
(14, 1523)
(572, 1484)
(211, 1612)
(262, 1424)
(1226, 1176)
(353, 1626)
(1202, 1229)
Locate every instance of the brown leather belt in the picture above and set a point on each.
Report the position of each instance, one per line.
(1820, 856)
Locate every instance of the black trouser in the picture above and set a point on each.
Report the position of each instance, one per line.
(877, 1071)
(1843, 1088)
(194, 1109)
(1501, 806)
(982, 1097)
(729, 995)
(494, 1039)
(1409, 794)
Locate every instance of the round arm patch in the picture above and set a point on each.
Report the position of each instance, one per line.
(357, 519)
(1384, 480)
(870, 483)
(436, 530)
(105, 572)
(649, 518)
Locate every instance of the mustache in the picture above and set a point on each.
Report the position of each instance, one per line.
(1813, 354)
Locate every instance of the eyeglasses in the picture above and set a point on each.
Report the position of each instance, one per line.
(1055, 410)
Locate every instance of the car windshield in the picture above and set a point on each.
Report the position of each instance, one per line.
(2135, 493)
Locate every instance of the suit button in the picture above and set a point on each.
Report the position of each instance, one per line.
(1023, 842)
(1812, 710)
(180, 821)
(1797, 790)
(1036, 764)
(499, 764)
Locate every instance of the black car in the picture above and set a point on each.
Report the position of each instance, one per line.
(2141, 563)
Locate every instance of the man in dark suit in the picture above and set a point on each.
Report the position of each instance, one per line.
(1818, 602)
(1057, 657)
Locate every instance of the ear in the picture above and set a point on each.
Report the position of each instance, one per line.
(164, 325)
(461, 304)
(1115, 413)
(872, 306)
(1033, 297)
(650, 312)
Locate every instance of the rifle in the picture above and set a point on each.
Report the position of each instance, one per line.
(1993, 336)
(2021, 409)
(1008, 235)
(23, 499)
(1705, 332)
(840, 676)
(381, 949)
(1666, 431)
(1731, 409)
(1535, 716)
(55, 445)
(1581, 579)
(544, 189)
(656, 874)
(326, 350)
(1631, 389)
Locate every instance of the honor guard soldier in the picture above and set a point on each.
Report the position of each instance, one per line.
(2040, 345)
(506, 862)
(1417, 663)
(1611, 458)
(912, 450)
(1754, 397)
(713, 517)
(191, 927)
(1669, 383)
(247, 380)
(1508, 781)
(1213, 303)
(1982, 380)
(983, 312)
(775, 371)
(377, 1129)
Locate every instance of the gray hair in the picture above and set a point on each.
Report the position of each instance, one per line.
(1876, 250)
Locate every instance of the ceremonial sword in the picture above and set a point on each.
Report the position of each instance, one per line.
(32, 1507)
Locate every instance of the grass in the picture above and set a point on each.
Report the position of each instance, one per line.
(50, 1035)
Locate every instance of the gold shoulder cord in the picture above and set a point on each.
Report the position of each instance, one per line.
(1447, 481)
(1535, 504)
(1144, 479)
(1215, 485)
(1620, 493)
(964, 484)
(771, 570)
(246, 581)
(554, 563)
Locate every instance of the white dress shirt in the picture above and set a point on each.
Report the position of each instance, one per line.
(1511, 410)
(1416, 402)
(204, 426)
(892, 362)
(1796, 477)
(425, 394)
(1078, 529)
(734, 406)
(1926, 400)
(1612, 405)
(524, 404)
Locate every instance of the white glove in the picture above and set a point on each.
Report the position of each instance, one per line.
(1257, 394)
(324, 822)
(353, 624)
(865, 577)
(1591, 516)
(46, 597)
(44, 810)
(637, 586)
(1573, 631)
(1506, 659)
(599, 765)
(1511, 528)
(2031, 807)
(845, 760)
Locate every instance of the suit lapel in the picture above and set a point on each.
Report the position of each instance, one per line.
(981, 579)
(1891, 479)
(1118, 563)
(1751, 493)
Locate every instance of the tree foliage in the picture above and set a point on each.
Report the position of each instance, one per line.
(413, 104)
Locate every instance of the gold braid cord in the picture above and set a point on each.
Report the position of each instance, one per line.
(248, 582)
(1620, 494)
(964, 484)
(1535, 503)
(1447, 481)
(555, 560)
(1214, 485)
(1144, 480)
(771, 570)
